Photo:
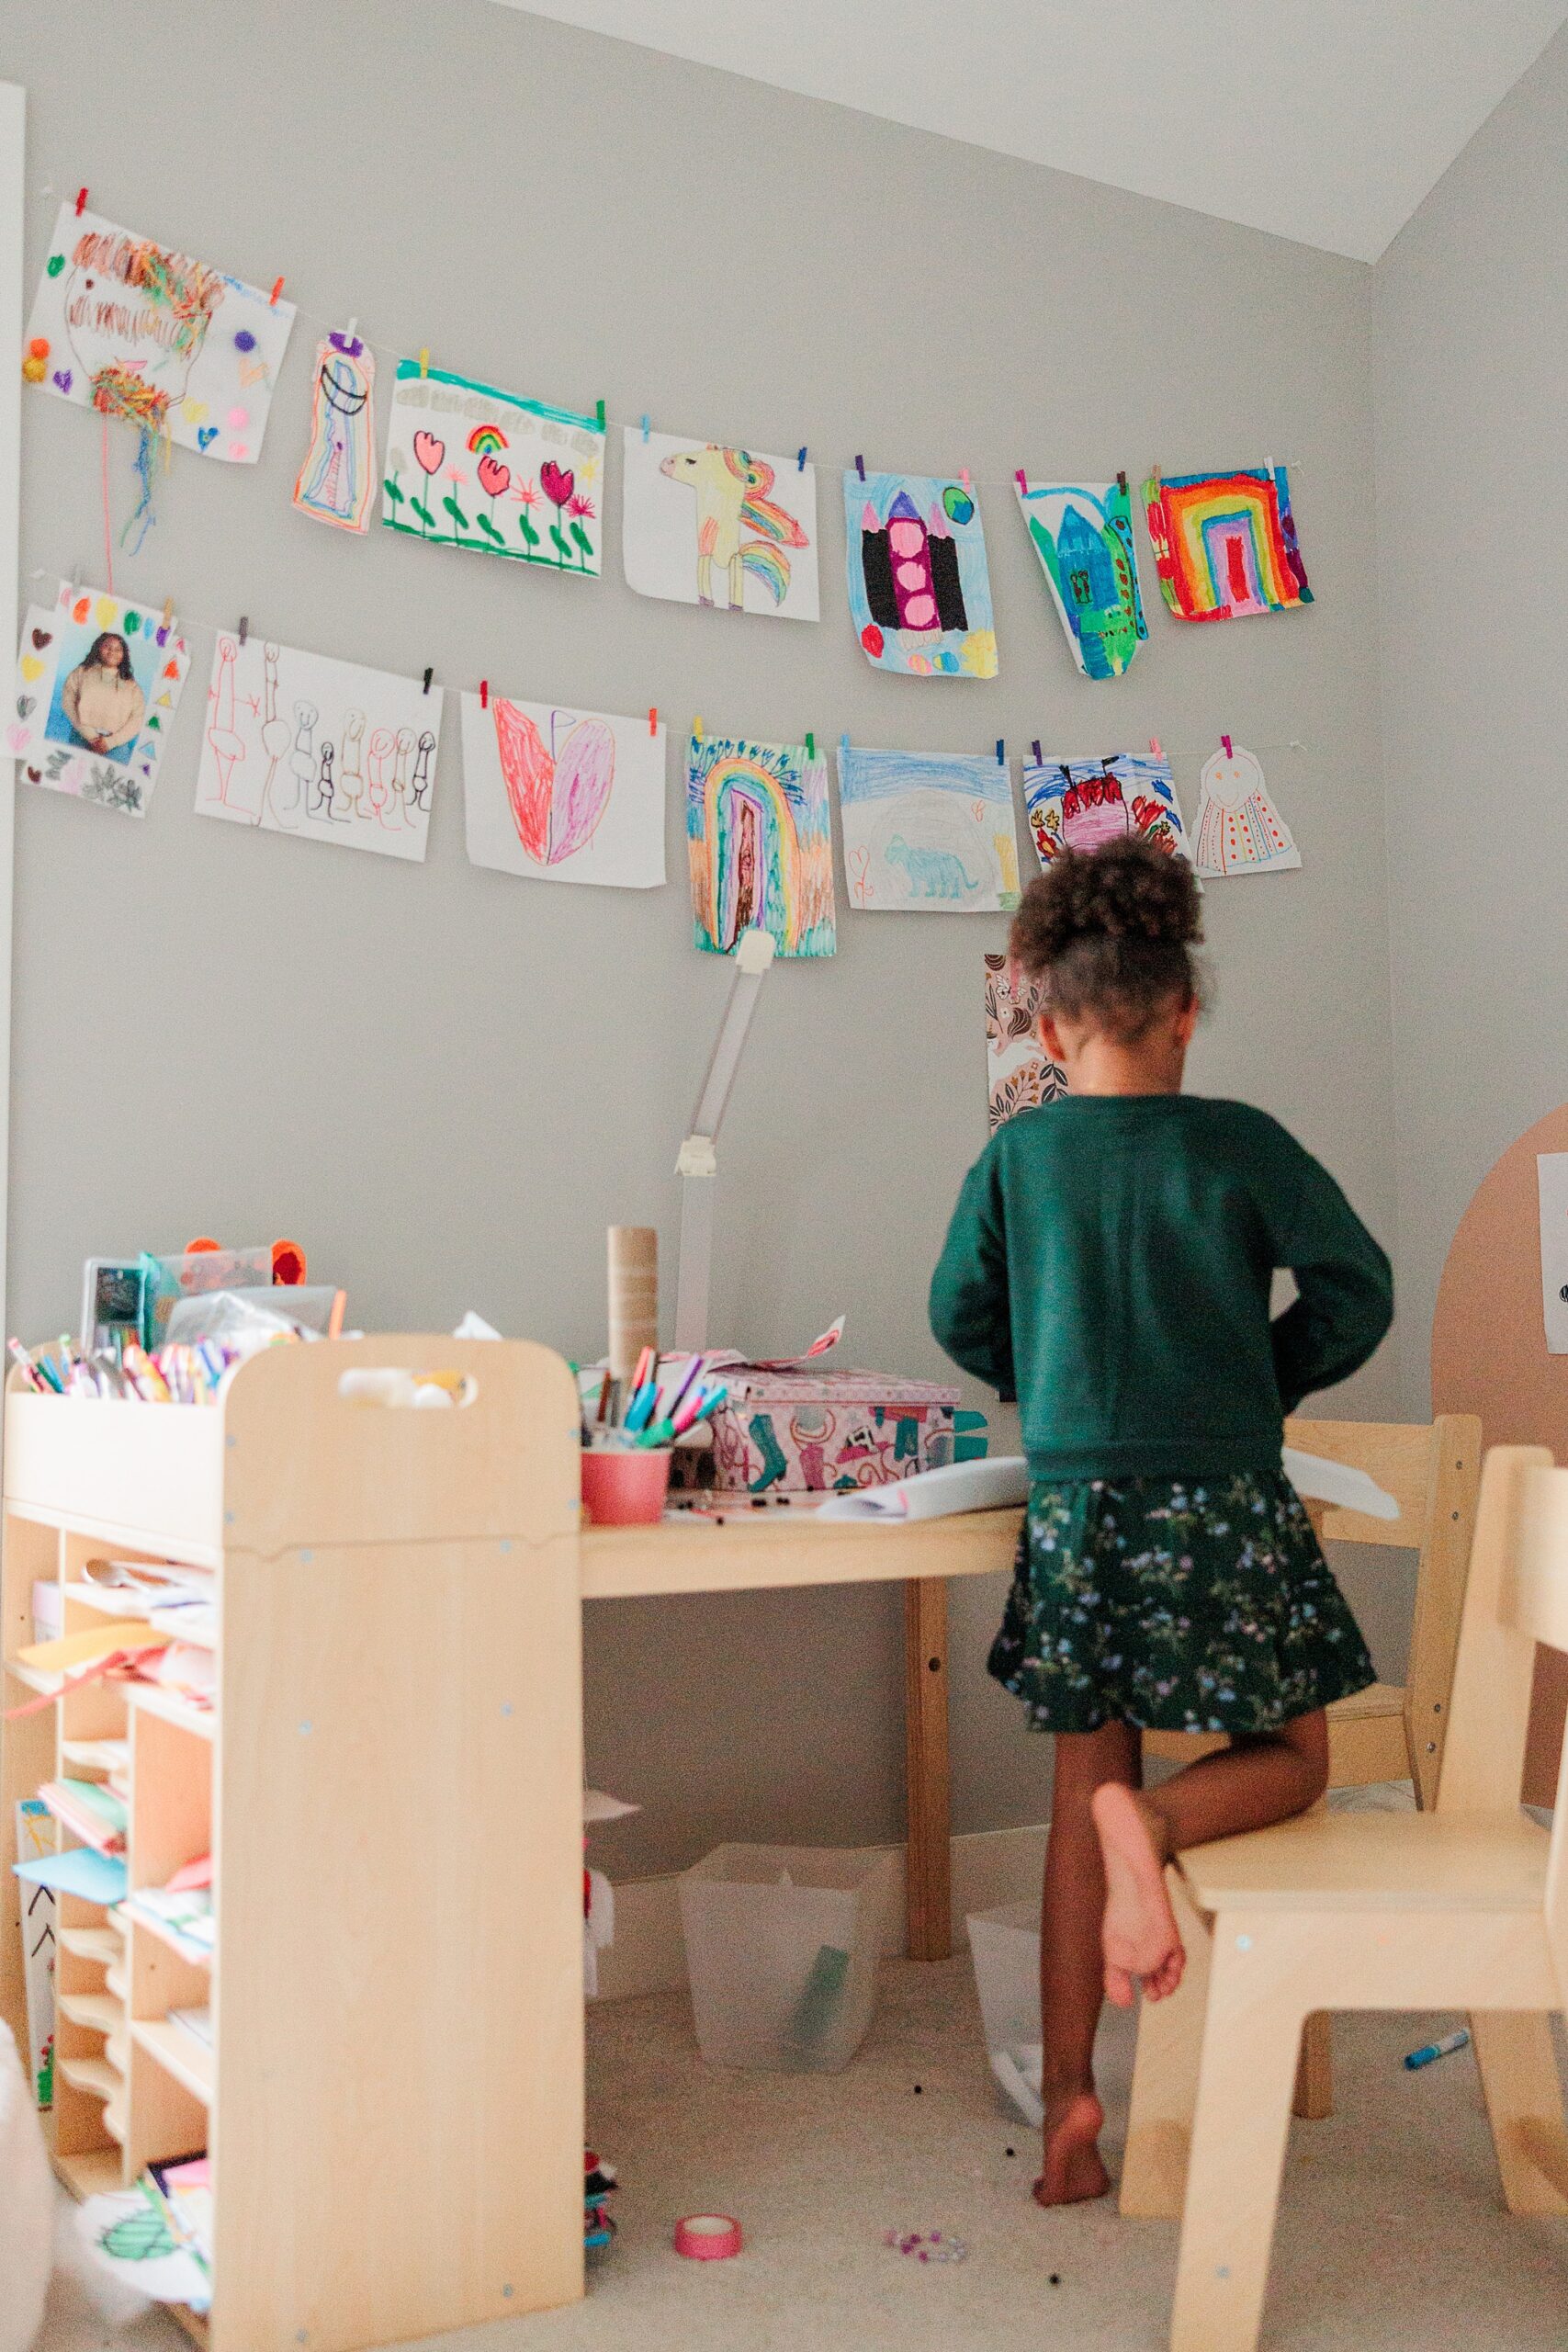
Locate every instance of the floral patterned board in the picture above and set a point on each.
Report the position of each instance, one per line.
(1021, 1074)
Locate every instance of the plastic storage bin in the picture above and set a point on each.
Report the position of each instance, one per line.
(782, 1946)
(1005, 1946)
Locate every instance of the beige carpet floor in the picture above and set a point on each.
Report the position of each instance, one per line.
(1391, 2233)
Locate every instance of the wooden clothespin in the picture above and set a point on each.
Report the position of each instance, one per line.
(168, 612)
(277, 291)
(1001, 751)
(1155, 751)
(424, 359)
(696, 730)
(800, 461)
(81, 202)
(1023, 484)
(244, 628)
(428, 675)
(484, 694)
(1122, 480)
(1039, 757)
(645, 425)
(963, 475)
(1226, 741)
(844, 747)
(811, 744)
(860, 466)
(598, 412)
(653, 718)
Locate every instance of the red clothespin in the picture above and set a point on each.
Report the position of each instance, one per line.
(1226, 741)
(1154, 749)
(859, 467)
(653, 718)
(277, 291)
(81, 202)
(1023, 484)
(484, 694)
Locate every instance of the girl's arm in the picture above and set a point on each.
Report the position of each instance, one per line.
(969, 1289)
(70, 697)
(1344, 1282)
(123, 734)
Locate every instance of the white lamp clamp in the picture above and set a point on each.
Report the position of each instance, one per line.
(698, 1163)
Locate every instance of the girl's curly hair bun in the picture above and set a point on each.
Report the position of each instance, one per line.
(1107, 934)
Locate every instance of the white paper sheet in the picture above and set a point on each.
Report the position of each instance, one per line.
(704, 523)
(64, 644)
(469, 465)
(928, 832)
(127, 326)
(1239, 830)
(563, 796)
(1551, 1181)
(297, 742)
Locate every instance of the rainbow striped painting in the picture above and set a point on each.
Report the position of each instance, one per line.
(760, 846)
(1226, 544)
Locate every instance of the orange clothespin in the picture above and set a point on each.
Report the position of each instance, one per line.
(81, 202)
(653, 718)
(277, 291)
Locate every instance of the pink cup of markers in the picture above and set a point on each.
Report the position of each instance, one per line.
(625, 1486)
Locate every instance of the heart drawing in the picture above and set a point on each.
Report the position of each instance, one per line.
(206, 435)
(18, 737)
(556, 797)
(42, 636)
(26, 705)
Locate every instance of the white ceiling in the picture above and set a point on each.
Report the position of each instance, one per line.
(1326, 120)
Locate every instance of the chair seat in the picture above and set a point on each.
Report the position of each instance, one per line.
(1378, 1699)
(1365, 1861)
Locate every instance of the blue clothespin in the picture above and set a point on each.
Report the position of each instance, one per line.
(1001, 751)
(844, 747)
(645, 428)
(859, 467)
(1034, 747)
(800, 461)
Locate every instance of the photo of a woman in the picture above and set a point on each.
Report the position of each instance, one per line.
(100, 698)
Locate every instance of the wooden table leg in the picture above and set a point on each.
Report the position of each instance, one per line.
(928, 1865)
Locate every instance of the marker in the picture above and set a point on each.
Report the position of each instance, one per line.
(657, 1433)
(24, 1362)
(1443, 2049)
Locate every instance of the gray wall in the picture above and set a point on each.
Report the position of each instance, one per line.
(1470, 343)
(446, 1083)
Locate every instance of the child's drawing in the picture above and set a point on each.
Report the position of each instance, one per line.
(173, 345)
(337, 480)
(563, 796)
(470, 466)
(759, 845)
(931, 830)
(1082, 532)
(296, 743)
(1226, 543)
(1019, 1073)
(919, 588)
(1239, 829)
(97, 680)
(703, 524)
(1083, 804)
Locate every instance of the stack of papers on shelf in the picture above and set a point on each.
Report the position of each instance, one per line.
(90, 1811)
(96, 1878)
(184, 1913)
(181, 1602)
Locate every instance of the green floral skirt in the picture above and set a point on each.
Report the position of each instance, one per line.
(1177, 1604)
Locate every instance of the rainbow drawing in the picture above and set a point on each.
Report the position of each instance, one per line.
(1226, 544)
(486, 441)
(759, 845)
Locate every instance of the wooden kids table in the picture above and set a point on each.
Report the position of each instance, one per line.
(391, 1786)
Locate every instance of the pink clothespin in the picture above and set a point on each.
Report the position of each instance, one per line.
(1226, 741)
(277, 291)
(1154, 749)
(963, 475)
(81, 202)
(1022, 485)
(484, 694)
(653, 718)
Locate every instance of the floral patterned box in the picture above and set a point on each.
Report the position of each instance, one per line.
(814, 1431)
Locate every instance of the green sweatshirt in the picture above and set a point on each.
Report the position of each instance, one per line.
(1108, 1265)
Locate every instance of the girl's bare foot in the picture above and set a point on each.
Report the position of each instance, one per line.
(1073, 2171)
(1141, 1943)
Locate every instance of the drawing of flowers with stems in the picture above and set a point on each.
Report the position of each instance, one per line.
(557, 482)
(494, 480)
(458, 479)
(580, 510)
(429, 453)
(526, 496)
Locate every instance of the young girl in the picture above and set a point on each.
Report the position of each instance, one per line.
(1109, 1266)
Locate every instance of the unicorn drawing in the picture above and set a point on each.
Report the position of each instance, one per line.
(732, 500)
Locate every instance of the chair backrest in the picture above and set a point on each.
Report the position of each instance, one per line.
(1516, 1596)
(1433, 1471)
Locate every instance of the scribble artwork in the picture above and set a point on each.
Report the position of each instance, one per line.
(1083, 804)
(176, 347)
(1019, 1073)
(563, 796)
(919, 588)
(98, 682)
(1239, 830)
(296, 743)
(932, 831)
(1082, 532)
(759, 845)
(337, 480)
(470, 466)
(703, 524)
(1226, 544)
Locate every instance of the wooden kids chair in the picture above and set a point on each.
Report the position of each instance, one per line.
(1392, 1731)
(1465, 1906)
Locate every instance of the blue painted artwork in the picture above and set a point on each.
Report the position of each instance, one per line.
(928, 830)
(919, 587)
(1082, 532)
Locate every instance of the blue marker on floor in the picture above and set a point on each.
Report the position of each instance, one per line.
(1443, 2049)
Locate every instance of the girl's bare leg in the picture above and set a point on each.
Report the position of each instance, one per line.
(1071, 1961)
(1257, 1781)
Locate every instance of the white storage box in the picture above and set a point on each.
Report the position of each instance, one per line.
(781, 1945)
(1005, 1946)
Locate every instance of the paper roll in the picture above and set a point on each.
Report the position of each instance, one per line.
(634, 1296)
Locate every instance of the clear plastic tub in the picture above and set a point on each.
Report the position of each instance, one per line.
(782, 1946)
(1005, 1946)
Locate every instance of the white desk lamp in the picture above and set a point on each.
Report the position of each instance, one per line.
(697, 1165)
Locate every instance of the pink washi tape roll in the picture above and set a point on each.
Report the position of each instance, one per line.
(707, 2237)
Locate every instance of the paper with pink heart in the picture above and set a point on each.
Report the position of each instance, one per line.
(470, 466)
(95, 698)
(564, 796)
